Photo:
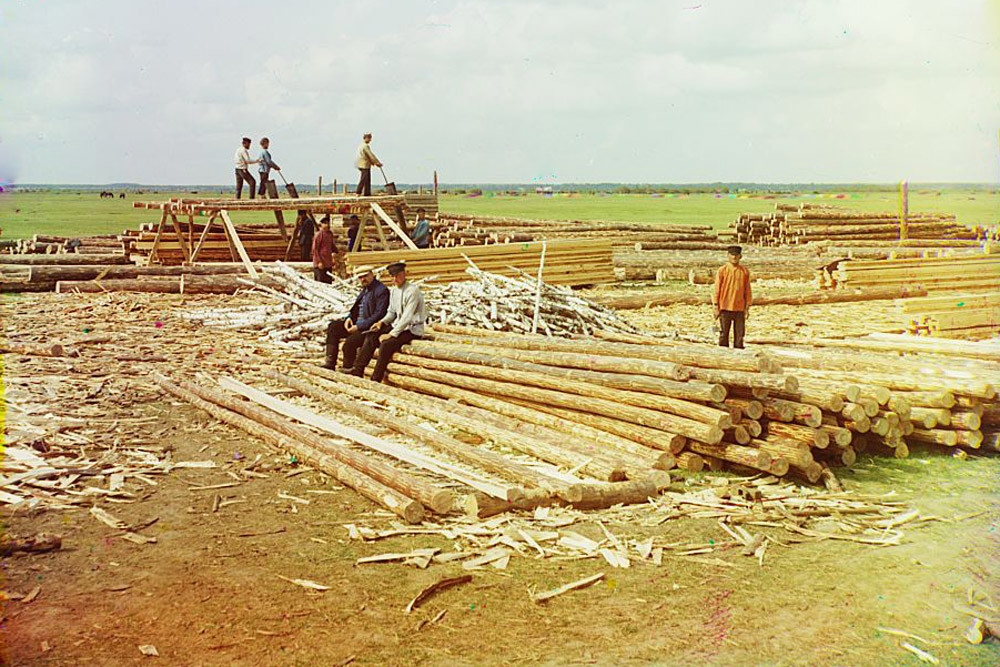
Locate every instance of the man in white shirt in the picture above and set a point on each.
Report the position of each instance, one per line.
(243, 163)
(403, 322)
(364, 162)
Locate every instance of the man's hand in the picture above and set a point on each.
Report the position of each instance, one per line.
(746, 315)
(351, 329)
(384, 337)
(717, 312)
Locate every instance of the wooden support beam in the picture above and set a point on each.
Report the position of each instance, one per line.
(393, 226)
(235, 238)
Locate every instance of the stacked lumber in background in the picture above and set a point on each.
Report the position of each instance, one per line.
(261, 245)
(960, 315)
(670, 297)
(562, 262)
(699, 266)
(107, 244)
(783, 227)
(113, 273)
(305, 307)
(453, 229)
(955, 273)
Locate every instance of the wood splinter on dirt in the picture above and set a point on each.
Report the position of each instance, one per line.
(565, 588)
(441, 585)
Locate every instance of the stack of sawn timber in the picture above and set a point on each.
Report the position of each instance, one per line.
(261, 244)
(452, 229)
(849, 226)
(562, 262)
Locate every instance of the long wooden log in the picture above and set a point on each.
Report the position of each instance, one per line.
(576, 421)
(32, 349)
(644, 416)
(811, 437)
(935, 437)
(509, 370)
(837, 435)
(69, 258)
(595, 464)
(608, 456)
(748, 456)
(621, 365)
(385, 496)
(148, 285)
(687, 355)
(796, 453)
(438, 499)
(483, 458)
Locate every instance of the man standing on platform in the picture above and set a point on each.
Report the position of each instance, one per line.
(403, 322)
(421, 231)
(243, 163)
(266, 165)
(732, 298)
(323, 249)
(369, 308)
(365, 161)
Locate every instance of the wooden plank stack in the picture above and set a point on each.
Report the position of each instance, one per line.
(961, 315)
(106, 244)
(966, 273)
(845, 226)
(562, 262)
(453, 229)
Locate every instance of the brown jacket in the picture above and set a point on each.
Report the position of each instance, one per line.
(323, 249)
(732, 288)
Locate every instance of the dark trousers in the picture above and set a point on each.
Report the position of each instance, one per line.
(322, 275)
(263, 183)
(244, 175)
(735, 320)
(365, 182)
(335, 333)
(386, 350)
(306, 250)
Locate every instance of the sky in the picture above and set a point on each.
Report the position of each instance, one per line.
(503, 91)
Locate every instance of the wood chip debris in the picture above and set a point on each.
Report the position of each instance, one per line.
(435, 588)
(565, 588)
(305, 583)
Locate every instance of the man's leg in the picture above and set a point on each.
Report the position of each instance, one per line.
(361, 183)
(739, 328)
(368, 348)
(239, 184)
(386, 351)
(252, 183)
(366, 182)
(320, 275)
(726, 322)
(262, 189)
(334, 333)
(352, 344)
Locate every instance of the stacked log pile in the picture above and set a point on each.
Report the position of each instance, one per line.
(716, 405)
(305, 307)
(962, 315)
(560, 262)
(452, 229)
(805, 225)
(107, 244)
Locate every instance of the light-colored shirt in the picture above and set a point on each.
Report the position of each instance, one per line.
(421, 233)
(407, 311)
(366, 159)
(243, 160)
(732, 288)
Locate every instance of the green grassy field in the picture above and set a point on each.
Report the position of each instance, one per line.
(68, 213)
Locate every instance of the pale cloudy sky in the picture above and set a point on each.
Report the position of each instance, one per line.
(503, 91)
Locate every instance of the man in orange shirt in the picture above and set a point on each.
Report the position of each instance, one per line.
(732, 298)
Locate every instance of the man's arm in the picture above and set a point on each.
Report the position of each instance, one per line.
(717, 291)
(748, 294)
(371, 156)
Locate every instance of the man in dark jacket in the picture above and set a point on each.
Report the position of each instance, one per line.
(368, 309)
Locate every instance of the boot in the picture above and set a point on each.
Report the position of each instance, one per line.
(331, 363)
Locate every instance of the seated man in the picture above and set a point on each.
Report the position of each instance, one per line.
(421, 231)
(369, 308)
(403, 321)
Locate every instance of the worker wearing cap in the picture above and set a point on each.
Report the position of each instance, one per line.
(368, 309)
(403, 321)
(732, 298)
(266, 164)
(421, 230)
(353, 224)
(364, 162)
(243, 163)
(323, 250)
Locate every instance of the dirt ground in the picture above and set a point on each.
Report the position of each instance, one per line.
(210, 590)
